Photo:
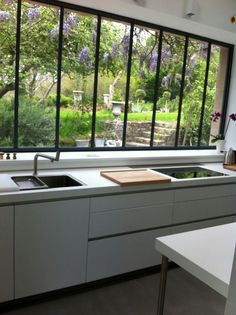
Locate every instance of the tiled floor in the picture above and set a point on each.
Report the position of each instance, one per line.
(185, 296)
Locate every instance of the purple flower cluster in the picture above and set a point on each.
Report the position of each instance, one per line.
(33, 14)
(106, 57)
(114, 51)
(232, 117)
(203, 50)
(94, 36)
(7, 1)
(165, 55)
(166, 81)
(71, 20)
(5, 16)
(215, 116)
(54, 33)
(142, 74)
(84, 55)
(69, 24)
(125, 43)
(153, 62)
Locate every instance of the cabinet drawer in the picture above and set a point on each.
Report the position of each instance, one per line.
(121, 254)
(108, 203)
(127, 220)
(203, 209)
(205, 192)
(202, 224)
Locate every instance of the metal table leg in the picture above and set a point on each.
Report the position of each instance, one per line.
(162, 285)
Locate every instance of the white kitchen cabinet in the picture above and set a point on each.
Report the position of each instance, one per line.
(122, 230)
(116, 255)
(193, 204)
(6, 253)
(202, 224)
(50, 245)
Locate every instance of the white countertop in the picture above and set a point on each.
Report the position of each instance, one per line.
(95, 184)
(207, 253)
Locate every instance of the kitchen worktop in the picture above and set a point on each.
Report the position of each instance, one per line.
(95, 184)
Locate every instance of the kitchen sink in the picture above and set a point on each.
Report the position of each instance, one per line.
(55, 181)
(31, 182)
(28, 182)
(188, 172)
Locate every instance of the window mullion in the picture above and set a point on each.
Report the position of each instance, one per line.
(59, 69)
(17, 66)
(181, 95)
(156, 88)
(204, 94)
(95, 90)
(128, 84)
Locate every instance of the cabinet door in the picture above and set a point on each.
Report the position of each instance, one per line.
(116, 255)
(6, 253)
(50, 245)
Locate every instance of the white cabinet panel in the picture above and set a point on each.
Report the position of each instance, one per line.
(205, 192)
(203, 209)
(116, 255)
(50, 245)
(127, 220)
(6, 253)
(202, 224)
(109, 203)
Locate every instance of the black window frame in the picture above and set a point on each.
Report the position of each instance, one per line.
(132, 22)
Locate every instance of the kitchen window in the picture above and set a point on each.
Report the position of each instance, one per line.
(73, 78)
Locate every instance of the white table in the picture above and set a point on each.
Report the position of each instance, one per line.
(207, 254)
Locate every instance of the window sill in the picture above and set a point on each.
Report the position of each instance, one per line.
(107, 159)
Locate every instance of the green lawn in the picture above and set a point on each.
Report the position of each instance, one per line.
(74, 122)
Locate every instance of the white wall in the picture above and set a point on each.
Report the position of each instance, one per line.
(210, 12)
(231, 134)
(168, 13)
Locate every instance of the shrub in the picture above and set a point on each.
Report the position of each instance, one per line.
(36, 126)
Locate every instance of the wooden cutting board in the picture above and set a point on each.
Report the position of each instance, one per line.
(135, 177)
(230, 167)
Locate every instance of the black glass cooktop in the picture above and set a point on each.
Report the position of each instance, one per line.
(188, 172)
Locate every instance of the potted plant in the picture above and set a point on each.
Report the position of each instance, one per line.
(219, 139)
(83, 141)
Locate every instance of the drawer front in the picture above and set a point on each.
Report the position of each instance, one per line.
(127, 220)
(121, 254)
(202, 224)
(124, 201)
(203, 209)
(205, 192)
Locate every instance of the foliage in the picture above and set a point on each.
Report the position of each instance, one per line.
(65, 101)
(36, 126)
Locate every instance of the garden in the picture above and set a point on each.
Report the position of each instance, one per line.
(88, 95)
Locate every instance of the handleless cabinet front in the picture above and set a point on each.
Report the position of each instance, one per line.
(6, 253)
(50, 245)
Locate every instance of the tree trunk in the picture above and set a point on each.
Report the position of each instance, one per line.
(7, 88)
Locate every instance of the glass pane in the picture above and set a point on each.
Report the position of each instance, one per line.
(78, 58)
(7, 71)
(142, 84)
(113, 58)
(169, 89)
(38, 74)
(193, 92)
(215, 93)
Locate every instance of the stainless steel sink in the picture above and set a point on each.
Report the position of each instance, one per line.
(30, 182)
(55, 181)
